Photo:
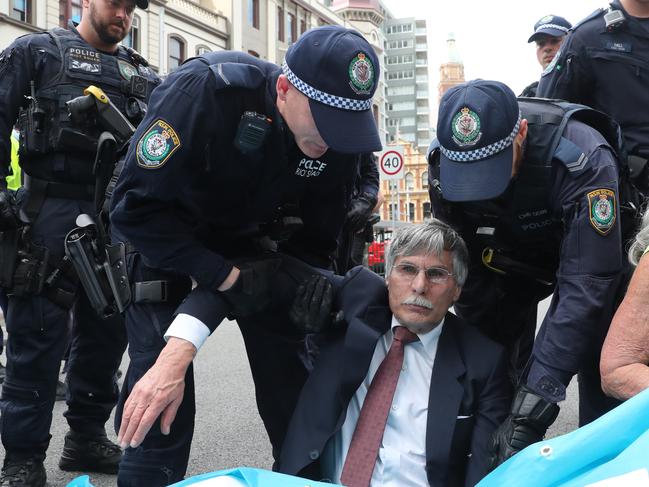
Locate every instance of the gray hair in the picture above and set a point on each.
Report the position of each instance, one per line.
(431, 237)
(641, 240)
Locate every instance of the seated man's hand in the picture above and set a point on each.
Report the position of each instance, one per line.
(251, 292)
(311, 311)
(159, 391)
(530, 417)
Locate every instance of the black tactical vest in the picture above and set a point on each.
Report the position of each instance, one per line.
(123, 77)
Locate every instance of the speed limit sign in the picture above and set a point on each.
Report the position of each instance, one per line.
(391, 162)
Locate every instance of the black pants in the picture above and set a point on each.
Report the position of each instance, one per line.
(273, 350)
(39, 332)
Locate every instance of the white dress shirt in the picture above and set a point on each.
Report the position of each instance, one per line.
(401, 461)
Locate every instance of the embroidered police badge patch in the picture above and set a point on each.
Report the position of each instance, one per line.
(466, 128)
(157, 145)
(361, 74)
(546, 20)
(126, 70)
(602, 210)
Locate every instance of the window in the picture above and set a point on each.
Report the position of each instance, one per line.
(401, 75)
(402, 44)
(401, 90)
(404, 105)
(302, 26)
(410, 181)
(69, 10)
(280, 24)
(253, 13)
(411, 212)
(428, 214)
(22, 10)
(393, 211)
(291, 29)
(176, 53)
(133, 37)
(202, 50)
(424, 179)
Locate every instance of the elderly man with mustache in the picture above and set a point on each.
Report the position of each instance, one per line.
(403, 392)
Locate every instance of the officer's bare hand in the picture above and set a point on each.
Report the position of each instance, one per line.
(159, 392)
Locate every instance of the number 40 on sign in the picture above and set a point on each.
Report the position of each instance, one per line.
(391, 162)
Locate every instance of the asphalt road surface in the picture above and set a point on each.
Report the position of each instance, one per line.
(229, 432)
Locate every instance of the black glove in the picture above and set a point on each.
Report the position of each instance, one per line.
(530, 417)
(311, 311)
(8, 211)
(251, 293)
(360, 211)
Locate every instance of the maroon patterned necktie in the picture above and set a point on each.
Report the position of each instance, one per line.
(366, 440)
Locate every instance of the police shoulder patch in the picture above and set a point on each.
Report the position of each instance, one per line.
(157, 145)
(601, 204)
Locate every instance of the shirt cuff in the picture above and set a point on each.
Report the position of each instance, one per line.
(188, 328)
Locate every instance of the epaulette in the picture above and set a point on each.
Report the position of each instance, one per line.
(595, 14)
(237, 75)
(571, 156)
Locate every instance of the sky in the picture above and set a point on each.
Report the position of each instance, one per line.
(491, 35)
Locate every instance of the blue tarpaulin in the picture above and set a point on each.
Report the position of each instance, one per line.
(249, 477)
(615, 445)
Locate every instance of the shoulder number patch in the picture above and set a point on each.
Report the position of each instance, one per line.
(157, 145)
(602, 210)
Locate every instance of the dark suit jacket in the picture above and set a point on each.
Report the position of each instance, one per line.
(469, 379)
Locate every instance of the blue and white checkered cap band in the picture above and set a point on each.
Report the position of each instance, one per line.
(326, 98)
(551, 26)
(483, 152)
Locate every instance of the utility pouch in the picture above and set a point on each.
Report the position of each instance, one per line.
(8, 256)
(31, 271)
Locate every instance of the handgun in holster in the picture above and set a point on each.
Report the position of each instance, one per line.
(101, 268)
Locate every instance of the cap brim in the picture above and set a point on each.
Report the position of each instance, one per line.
(143, 4)
(346, 131)
(476, 181)
(546, 32)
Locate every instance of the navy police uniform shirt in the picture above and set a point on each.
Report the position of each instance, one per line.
(583, 199)
(608, 71)
(189, 198)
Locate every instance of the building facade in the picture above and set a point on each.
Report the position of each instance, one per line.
(166, 33)
(408, 108)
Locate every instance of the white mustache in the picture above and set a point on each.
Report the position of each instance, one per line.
(419, 301)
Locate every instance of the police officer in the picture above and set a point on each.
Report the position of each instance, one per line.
(604, 63)
(548, 35)
(536, 198)
(237, 157)
(57, 154)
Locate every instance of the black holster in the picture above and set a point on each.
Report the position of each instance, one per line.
(101, 270)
